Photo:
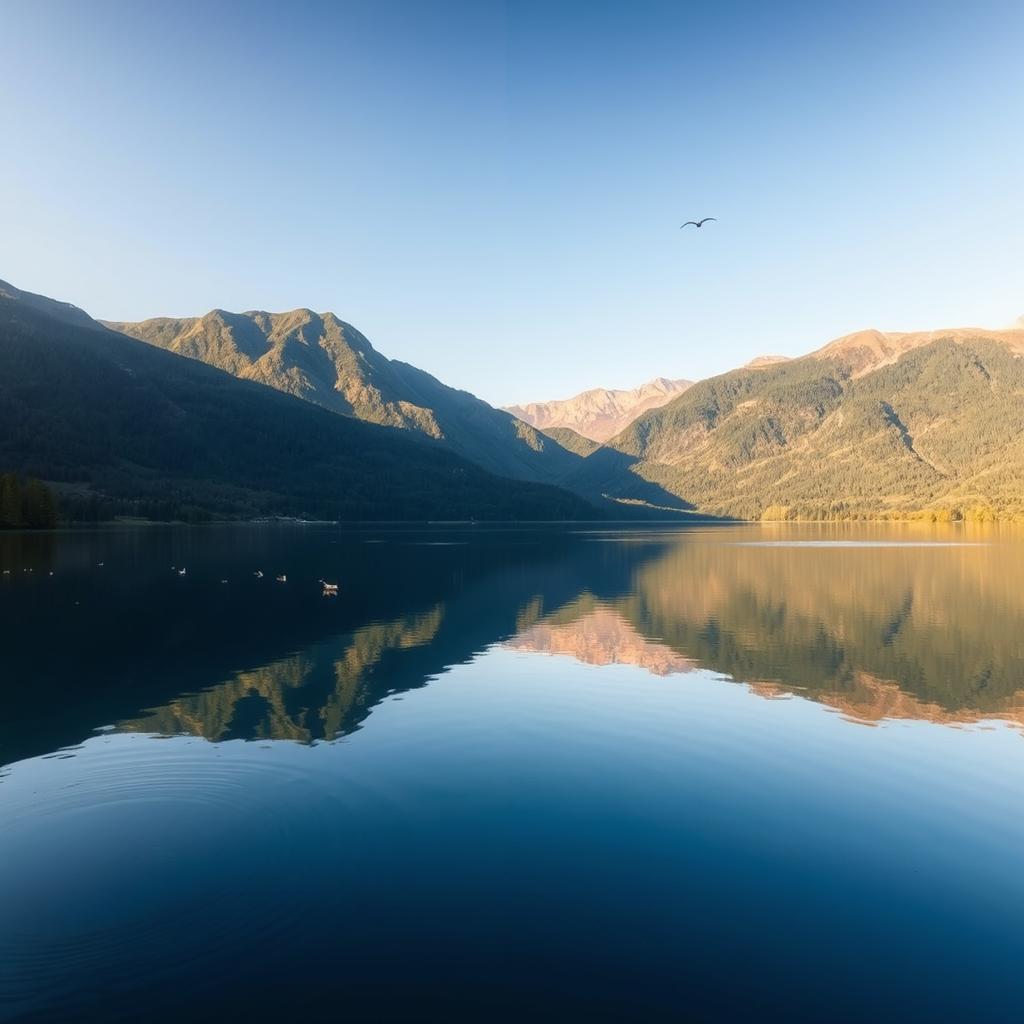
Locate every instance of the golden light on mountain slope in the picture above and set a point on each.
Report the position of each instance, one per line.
(869, 350)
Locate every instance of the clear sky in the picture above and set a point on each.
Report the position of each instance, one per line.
(493, 191)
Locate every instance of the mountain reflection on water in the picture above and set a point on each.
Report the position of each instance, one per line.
(927, 630)
(510, 774)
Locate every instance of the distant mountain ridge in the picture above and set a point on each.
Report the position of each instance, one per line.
(600, 413)
(326, 361)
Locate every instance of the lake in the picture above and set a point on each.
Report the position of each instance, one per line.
(719, 773)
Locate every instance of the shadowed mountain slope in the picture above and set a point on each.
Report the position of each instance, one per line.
(127, 428)
(327, 362)
(569, 439)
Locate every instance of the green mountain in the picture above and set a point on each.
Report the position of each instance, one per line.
(326, 361)
(571, 441)
(123, 427)
(872, 425)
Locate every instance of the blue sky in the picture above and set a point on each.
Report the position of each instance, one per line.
(492, 191)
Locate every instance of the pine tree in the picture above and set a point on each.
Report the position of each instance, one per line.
(26, 504)
(10, 501)
(38, 507)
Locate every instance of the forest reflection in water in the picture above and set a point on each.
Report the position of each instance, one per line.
(876, 622)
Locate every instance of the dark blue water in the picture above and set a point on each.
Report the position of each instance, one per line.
(722, 774)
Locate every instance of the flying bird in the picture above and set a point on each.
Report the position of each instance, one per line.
(698, 223)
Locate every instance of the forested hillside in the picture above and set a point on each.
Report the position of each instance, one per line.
(322, 359)
(124, 428)
(571, 441)
(932, 429)
(26, 504)
(873, 425)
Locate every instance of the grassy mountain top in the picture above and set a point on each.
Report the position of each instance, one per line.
(866, 351)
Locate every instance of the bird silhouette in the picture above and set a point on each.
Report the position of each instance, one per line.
(698, 223)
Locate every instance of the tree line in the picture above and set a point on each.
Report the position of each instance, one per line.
(26, 504)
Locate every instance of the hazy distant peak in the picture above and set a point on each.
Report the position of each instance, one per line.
(600, 413)
(658, 386)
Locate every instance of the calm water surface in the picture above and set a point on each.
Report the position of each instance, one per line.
(733, 773)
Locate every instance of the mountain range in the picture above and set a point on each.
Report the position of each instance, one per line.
(297, 413)
(319, 358)
(871, 425)
(125, 428)
(599, 414)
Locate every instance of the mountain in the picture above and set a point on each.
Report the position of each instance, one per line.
(600, 414)
(760, 361)
(871, 425)
(867, 351)
(573, 442)
(325, 361)
(62, 311)
(128, 428)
